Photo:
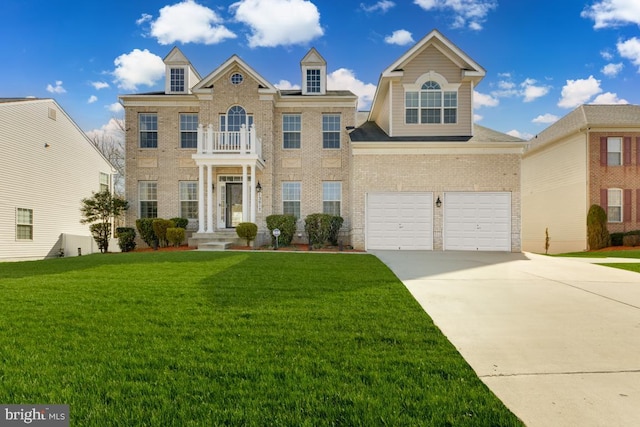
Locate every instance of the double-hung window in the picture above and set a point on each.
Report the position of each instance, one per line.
(291, 130)
(331, 131)
(614, 151)
(104, 181)
(291, 198)
(189, 130)
(614, 205)
(24, 224)
(331, 197)
(148, 196)
(431, 105)
(189, 199)
(148, 123)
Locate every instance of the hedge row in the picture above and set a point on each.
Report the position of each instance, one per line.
(162, 232)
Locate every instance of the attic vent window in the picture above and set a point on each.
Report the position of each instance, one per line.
(52, 113)
(236, 78)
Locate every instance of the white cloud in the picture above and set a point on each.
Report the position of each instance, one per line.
(471, 13)
(188, 22)
(531, 91)
(279, 22)
(606, 55)
(113, 129)
(613, 13)
(381, 6)
(92, 99)
(518, 134)
(477, 118)
(577, 92)
(343, 79)
(630, 49)
(286, 84)
(608, 98)
(115, 108)
(484, 100)
(99, 85)
(399, 37)
(57, 88)
(546, 118)
(612, 70)
(144, 18)
(138, 67)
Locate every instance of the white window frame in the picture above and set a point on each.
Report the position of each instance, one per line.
(332, 194)
(188, 196)
(104, 181)
(174, 80)
(418, 97)
(188, 128)
(151, 130)
(291, 128)
(291, 195)
(147, 193)
(615, 205)
(313, 89)
(614, 154)
(24, 223)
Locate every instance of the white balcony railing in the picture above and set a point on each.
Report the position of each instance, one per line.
(243, 141)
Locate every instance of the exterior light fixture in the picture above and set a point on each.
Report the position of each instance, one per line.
(46, 145)
(213, 187)
(259, 187)
(438, 202)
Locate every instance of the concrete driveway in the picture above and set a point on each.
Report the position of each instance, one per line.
(556, 339)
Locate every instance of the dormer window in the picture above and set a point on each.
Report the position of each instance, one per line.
(314, 73)
(433, 103)
(177, 80)
(313, 80)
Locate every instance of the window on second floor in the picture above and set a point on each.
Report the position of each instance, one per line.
(234, 119)
(148, 125)
(104, 181)
(189, 130)
(291, 130)
(331, 131)
(614, 205)
(177, 80)
(614, 151)
(431, 105)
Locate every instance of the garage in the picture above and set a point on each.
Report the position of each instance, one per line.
(399, 221)
(477, 221)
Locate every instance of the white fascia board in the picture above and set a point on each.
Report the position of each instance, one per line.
(412, 148)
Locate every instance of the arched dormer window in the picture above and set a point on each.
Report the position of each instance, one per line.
(234, 119)
(432, 102)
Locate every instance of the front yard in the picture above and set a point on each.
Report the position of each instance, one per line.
(232, 338)
(632, 254)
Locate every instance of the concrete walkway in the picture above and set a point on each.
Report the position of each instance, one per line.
(556, 339)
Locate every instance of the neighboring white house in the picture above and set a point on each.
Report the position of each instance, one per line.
(47, 166)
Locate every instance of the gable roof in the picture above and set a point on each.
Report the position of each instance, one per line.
(313, 57)
(205, 83)
(589, 116)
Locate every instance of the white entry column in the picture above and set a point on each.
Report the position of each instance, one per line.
(252, 189)
(209, 198)
(201, 222)
(245, 188)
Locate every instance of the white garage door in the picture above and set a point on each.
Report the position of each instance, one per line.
(399, 221)
(477, 221)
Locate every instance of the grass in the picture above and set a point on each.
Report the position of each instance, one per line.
(626, 253)
(231, 339)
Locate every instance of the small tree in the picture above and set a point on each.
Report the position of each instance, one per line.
(160, 227)
(98, 211)
(247, 231)
(597, 233)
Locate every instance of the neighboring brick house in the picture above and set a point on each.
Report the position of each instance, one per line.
(417, 174)
(590, 156)
(47, 166)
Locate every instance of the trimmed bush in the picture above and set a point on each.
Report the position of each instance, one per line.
(160, 227)
(334, 229)
(145, 228)
(175, 235)
(287, 226)
(180, 222)
(597, 233)
(322, 229)
(631, 240)
(247, 231)
(616, 239)
(126, 238)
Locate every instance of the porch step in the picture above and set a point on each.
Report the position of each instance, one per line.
(214, 246)
(217, 241)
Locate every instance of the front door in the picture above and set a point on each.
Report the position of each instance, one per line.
(233, 204)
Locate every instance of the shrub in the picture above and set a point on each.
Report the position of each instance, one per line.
(322, 229)
(160, 227)
(126, 238)
(101, 233)
(247, 231)
(145, 228)
(287, 226)
(334, 229)
(175, 235)
(631, 240)
(616, 239)
(597, 233)
(180, 222)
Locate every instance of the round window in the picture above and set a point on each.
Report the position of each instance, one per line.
(236, 78)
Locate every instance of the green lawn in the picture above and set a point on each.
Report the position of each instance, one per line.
(231, 339)
(635, 266)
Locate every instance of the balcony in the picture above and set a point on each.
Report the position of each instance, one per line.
(243, 142)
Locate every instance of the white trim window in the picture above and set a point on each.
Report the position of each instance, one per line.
(331, 131)
(331, 197)
(104, 181)
(148, 197)
(614, 151)
(177, 80)
(614, 205)
(291, 130)
(148, 126)
(431, 100)
(189, 199)
(24, 224)
(314, 80)
(189, 130)
(291, 192)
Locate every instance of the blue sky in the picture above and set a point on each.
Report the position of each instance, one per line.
(543, 58)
